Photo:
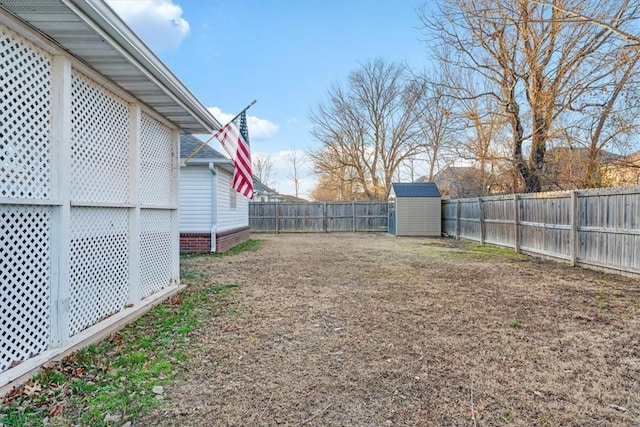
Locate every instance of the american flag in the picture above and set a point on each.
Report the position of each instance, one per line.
(236, 143)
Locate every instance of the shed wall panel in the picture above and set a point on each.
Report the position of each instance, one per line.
(418, 216)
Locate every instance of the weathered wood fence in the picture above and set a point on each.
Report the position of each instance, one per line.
(319, 217)
(593, 228)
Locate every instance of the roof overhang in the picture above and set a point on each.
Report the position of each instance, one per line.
(92, 32)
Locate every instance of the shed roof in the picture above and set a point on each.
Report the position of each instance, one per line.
(415, 189)
(91, 31)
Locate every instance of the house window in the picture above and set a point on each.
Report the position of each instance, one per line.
(232, 198)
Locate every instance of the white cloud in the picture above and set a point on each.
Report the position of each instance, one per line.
(158, 22)
(258, 128)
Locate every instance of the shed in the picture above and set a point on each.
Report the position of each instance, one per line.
(90, 121)
(414, 209)
(213, 215)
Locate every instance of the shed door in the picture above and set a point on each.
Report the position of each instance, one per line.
(392, 218)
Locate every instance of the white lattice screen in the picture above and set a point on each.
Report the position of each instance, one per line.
(155, 250)
(25, 153)
(156, 163)
(25, 258)
(99, 267)
(99, 143)
(99, 160)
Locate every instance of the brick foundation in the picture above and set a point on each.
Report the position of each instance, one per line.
(228, 239)
(201, 242)
(191, 243)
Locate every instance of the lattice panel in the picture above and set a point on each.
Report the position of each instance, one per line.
(155, 250)
(99, 265)
(25, 264)
(25, 88)
(99, 143)
(156, 174)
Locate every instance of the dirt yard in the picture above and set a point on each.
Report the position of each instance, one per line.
(371, 330)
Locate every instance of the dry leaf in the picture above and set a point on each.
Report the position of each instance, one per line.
(56, 409)
(30, 389)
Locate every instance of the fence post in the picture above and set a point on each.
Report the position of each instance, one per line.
(573, 237)
(481, 216)
(516, 223)
(277, 218)
(325, 220)
(458, 210)
(353, 211)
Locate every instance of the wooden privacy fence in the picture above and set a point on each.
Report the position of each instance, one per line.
(318, 217)
(593, 228)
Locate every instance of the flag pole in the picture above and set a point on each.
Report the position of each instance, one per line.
(197, 150)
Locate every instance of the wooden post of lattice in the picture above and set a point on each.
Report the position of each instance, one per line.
(61, 191)
(135, 294)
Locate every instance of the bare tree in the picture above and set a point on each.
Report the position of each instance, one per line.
(614, 118)
(262, 168)
(439, 125)
(369, 125)
(336, 181)
(484, 140)
(536, 62)
(336, 186)
(574, 13)
(296, 163)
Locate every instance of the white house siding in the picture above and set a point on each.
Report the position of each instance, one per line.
(196, 199)
(88, 201)
(418, 216)
(230, 218)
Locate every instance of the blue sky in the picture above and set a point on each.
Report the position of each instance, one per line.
(284, 54)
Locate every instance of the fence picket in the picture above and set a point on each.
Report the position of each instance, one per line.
(327, 217)
(597, 228)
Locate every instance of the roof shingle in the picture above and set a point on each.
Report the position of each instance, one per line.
(416, 189)
(189, 144)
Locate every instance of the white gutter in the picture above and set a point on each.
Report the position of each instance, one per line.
(226, 164)
(108, 25)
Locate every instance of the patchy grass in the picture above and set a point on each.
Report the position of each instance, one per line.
(486, 252)
(516, 324)
(111, 382)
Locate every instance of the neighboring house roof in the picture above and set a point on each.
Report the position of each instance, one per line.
(566, 167)
(290, 198)
(455, 172)
(415, 189)
(581, 154)
(93, 32)
(260, 187)
(459, 181)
